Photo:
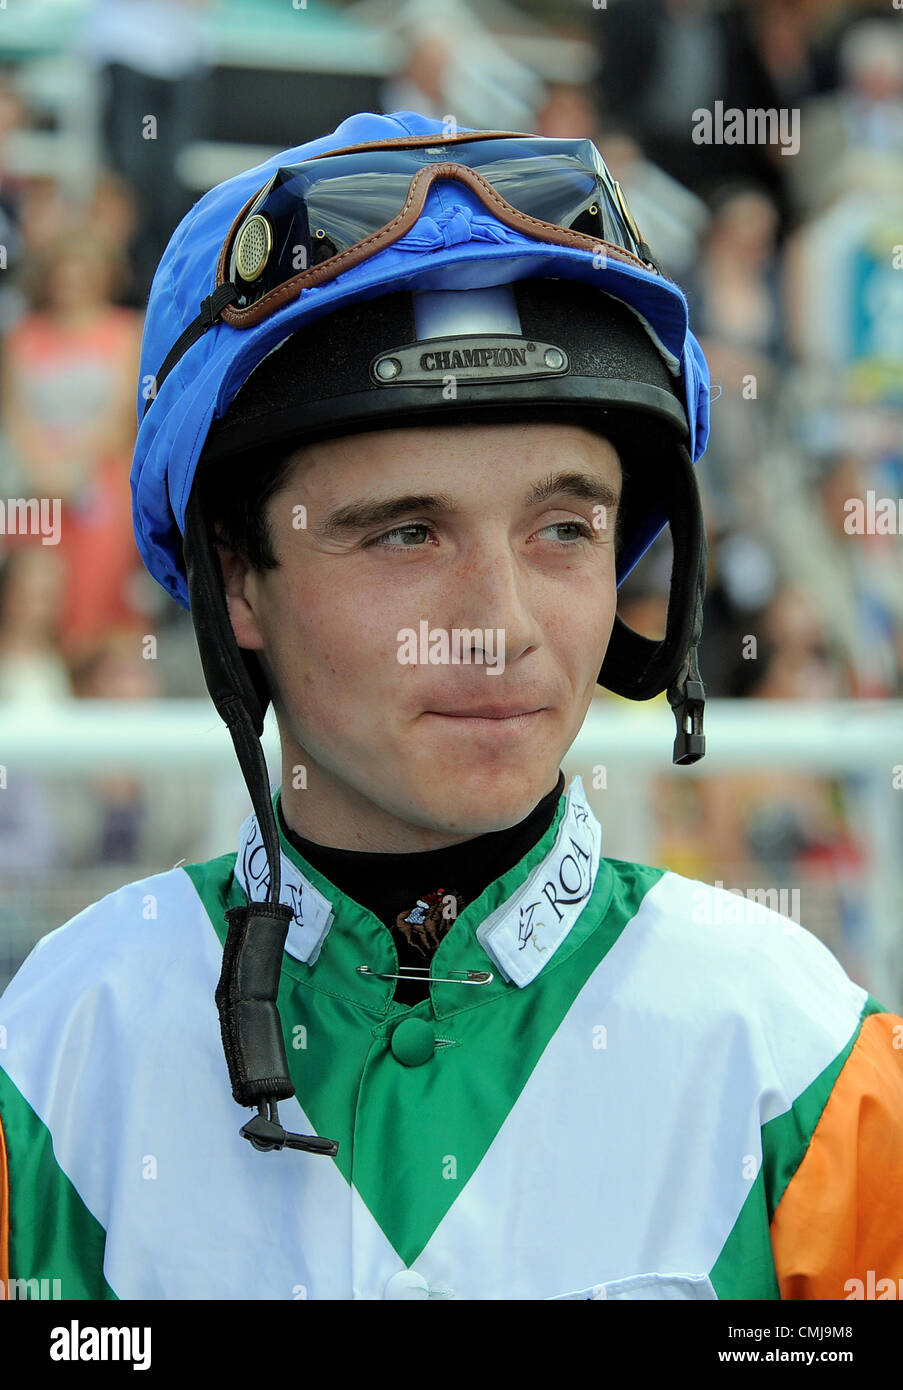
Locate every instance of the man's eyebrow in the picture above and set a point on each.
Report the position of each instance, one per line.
(586, 487)
(360, 516)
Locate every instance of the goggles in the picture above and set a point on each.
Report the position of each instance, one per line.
(313, 220)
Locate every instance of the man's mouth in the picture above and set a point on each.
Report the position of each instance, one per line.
(489, 709)
(492, 715)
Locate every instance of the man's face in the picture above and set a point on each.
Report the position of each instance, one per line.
(501, 534)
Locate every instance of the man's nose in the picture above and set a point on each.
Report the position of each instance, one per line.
(492, 590)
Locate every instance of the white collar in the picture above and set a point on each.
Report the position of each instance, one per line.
(520, 936)
(526, 930)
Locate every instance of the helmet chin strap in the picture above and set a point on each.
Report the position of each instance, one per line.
(640, 668)
(252, 957)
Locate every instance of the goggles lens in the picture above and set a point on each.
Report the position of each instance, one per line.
(309, 213)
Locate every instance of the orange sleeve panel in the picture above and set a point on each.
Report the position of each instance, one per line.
(4, 1214)
(841, 1215)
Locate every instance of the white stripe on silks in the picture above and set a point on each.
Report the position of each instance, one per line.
(647, 1104)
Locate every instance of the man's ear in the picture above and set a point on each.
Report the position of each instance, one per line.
(239, 581)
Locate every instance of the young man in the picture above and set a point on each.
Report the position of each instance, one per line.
(412, 406)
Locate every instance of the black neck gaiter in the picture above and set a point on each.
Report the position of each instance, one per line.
(418, 896)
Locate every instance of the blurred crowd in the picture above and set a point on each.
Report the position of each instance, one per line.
(791, 266)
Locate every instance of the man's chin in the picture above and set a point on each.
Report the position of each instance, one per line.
(473, 799)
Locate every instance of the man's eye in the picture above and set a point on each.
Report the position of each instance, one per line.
(584, 530)
(385, 541)
(399, 531)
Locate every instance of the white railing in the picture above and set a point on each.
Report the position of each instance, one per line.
(829, 737)
(631, 742)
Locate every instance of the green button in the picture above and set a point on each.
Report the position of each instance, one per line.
(413, 1042)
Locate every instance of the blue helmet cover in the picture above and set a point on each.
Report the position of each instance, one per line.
(456, 244)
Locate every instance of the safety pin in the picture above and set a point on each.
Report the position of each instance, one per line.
(422, 972)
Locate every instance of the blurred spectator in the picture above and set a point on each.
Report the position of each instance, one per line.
(860, 125)
(113, 212)
(13, 115)
(741, 580)
(844, 292)
(781, 830)
(154, 58)
(736, 291)
(43, 210)
(793, 657)
(32, 579)
(568, 113)
(67, 388)
(783, 38)
(662, 60)
(852, 580)
(421, 85)
(114, 668)
(455, 67)
(735, 302)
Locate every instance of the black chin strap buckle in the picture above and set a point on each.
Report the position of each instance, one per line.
(266, 1134)
(687, 699)
(249, 1020)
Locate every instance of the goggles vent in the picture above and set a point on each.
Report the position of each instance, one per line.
(253, 248)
